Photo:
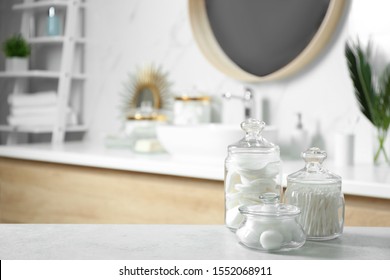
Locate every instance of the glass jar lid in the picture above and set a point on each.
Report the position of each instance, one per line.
(192, 95)
(253, 142)
(270, 207)
(185, 98)
(313, 170)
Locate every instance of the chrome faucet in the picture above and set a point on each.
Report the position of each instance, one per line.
(247, 99)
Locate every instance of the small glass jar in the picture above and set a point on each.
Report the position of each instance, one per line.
(271, 226)
(191, 109)
(252, 168)
(317, 192)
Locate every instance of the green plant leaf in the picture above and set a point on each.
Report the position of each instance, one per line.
(16, 46)
(384, 94)
(361, 75)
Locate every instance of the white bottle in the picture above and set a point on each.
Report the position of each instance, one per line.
(299, 139)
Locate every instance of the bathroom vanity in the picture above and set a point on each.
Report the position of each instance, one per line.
(84, 183)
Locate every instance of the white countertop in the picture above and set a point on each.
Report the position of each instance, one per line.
(85, 154)
(363, 180)
(173, 242)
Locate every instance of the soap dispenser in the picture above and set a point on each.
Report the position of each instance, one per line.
(318, 139)
(299, 139)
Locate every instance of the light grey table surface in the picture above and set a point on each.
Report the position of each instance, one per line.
(172, 242)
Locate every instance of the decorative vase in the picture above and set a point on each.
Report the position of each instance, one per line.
(16, 64)
(381, 147)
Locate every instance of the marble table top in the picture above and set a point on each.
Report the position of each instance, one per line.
(172, 242)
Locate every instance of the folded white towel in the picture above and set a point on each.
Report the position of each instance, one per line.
(40, 120)
(32, 110)
(33, 99)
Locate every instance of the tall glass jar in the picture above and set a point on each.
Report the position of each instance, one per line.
(317, 192)
(252, 168)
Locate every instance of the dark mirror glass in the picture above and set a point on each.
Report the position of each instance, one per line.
(263, 36)
(145, 96)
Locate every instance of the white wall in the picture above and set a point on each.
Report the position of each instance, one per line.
(126, 34)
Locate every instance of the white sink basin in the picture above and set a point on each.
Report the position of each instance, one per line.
(210, 140)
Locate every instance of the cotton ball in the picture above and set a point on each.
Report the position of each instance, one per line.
(271, 239)
(234, 217)
(248, 236)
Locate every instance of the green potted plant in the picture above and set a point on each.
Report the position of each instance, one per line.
(17, 51)
(372, 93)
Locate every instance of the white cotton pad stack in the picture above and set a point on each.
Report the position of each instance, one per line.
(245, 181)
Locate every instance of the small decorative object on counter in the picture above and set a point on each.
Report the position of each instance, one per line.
(372, 91)
(317, 192)
(271, 226)
(141, 128)
(192, 108)
(252, 168)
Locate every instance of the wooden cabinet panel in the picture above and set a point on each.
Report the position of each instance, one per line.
(367, 211)
(40, 192)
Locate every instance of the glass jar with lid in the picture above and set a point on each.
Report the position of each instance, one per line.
(252, 168)
(192, 107)
(271, 226)
(317, 192)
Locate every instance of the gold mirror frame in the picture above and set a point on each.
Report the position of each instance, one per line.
(140, 88)
(151, 79)
(210, 48)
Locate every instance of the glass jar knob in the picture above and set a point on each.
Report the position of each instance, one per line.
(314, 157)
(269, 200)
(252, 128)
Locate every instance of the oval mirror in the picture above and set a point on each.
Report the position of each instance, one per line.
(255, 40)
